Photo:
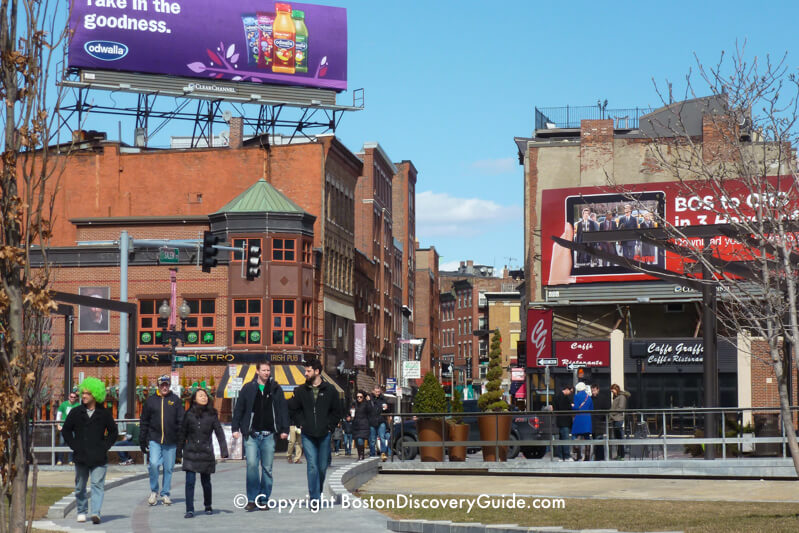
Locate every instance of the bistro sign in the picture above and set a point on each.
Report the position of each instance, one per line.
(106, 358)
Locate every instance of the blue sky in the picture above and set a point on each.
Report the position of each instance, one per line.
(448, 85)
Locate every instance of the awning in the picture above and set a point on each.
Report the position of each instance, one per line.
(287, 376)
(521, 392)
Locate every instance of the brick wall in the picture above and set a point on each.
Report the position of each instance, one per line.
(764, 382)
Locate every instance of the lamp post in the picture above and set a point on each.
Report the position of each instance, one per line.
(171, 335)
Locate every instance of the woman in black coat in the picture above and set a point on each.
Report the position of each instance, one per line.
(198, 452)
(360, 424)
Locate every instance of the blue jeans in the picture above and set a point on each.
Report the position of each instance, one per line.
(564, 452)
(382, 434)
(348, 443)
(124, 456)
(372, 437)
(205, 481)
(162, 455)
(260, 451)
(317, 453)
(82, 475)
(618, 433)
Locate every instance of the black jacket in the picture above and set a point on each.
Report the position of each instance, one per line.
(377, 414)
(195, 440)
(562, 402)
(90, 438)
(601, 403)
(161, 418)
(243, 413)
(346, 426)
(361, 422)
(316, 418)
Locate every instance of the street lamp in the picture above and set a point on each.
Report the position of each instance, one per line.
(171, 335)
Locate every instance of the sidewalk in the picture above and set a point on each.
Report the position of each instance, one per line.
(125, 508)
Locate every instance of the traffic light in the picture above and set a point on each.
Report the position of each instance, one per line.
(253, 261)
(209, 252)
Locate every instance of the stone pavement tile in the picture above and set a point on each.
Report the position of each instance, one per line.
(125, 508)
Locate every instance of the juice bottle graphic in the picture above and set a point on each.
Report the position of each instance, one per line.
(300, 41)
(283, 34)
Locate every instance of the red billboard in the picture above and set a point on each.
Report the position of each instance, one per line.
(539, 336)
(569, 213)
(576, 354)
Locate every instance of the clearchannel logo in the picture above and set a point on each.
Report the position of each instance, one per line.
(106, 50)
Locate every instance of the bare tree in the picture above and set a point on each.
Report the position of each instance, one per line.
(742, 171)
(31, 35)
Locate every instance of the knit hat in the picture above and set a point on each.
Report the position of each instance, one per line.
(95, 387)
(581, 387)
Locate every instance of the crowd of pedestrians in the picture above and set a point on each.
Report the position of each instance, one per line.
(588, 426)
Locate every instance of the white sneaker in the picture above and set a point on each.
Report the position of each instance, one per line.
(81, 518)
(153, 499)
(569, 460)
(166, 500)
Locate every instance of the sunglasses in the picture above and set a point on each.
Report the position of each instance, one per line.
(359, 396)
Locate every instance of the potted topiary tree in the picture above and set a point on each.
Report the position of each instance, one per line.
(458, 431)
(494, 427)
(430, 398)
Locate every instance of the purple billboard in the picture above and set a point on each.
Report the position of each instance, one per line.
(269, 42)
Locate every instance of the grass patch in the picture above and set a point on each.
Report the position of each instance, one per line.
(624, 515)
(45, 497)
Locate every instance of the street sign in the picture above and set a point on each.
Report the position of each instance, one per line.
(412, 369)
(391, 385)
(572, 366)
(185, 358)
(548, 362)
(168, 256)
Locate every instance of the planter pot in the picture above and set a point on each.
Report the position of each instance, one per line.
(458, 432)
(430, 430)
(494, 428)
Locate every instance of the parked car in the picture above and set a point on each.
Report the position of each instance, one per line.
(529, 427)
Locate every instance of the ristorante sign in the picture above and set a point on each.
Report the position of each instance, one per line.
(103, 358)
(583, 353)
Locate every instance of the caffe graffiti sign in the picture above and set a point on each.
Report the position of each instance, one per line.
(674, 353)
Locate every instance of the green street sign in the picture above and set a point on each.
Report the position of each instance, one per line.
(168, 256)
(185, 358)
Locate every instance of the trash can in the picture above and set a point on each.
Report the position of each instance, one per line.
(767, 425)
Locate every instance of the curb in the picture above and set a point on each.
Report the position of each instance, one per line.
(60, 509)
(351, 477)
(445, 526)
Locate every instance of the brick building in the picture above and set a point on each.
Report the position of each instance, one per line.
(427, 308)
(403, 192)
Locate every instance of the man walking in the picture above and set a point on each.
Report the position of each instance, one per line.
(90, 431)
(599, 422)
(563, 402)
(160, 425)
(315, 408)
(261, 413)
(63, 411)
(377, 422)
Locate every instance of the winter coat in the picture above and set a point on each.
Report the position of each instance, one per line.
(360, 424)
(582, 423)
(195, 440)
(562, 402)
(619, 404)
(243, 414)
(161, 418)
(346, 426)
(316, 417)
(377, 413)
(90, 437)
(601, 403)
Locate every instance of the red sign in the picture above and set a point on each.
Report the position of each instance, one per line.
(568, 213)
(583, 353)
(539, 336)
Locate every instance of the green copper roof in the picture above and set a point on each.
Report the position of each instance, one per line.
(261, 198)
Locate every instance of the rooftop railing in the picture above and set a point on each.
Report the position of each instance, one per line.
(569, 117)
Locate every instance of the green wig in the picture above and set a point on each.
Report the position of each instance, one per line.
(95, 387)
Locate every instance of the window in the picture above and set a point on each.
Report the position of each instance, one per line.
(150, 324)
(247, 321)
(306, 323)
(241, 243)
(283, 249)
(307, 252)
(283, 322)
(200, 322)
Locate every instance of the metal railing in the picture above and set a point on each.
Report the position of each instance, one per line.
(569, 117)
(643, 431)
(47, 440)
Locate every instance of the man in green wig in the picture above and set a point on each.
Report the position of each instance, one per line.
(90, 431)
